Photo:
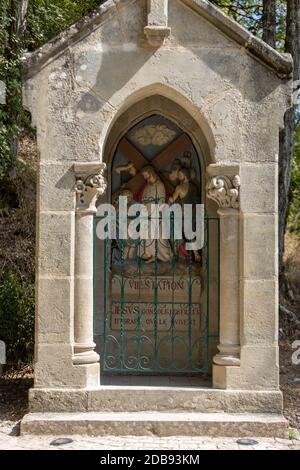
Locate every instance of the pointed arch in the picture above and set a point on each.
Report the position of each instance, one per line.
(165, 100)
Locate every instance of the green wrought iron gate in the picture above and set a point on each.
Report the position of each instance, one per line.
(156, 318)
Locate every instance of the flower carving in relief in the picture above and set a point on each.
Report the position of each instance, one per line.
(225, 191)
(90, 183)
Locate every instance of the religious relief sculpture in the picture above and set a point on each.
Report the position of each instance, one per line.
(225, 191)
(184, 191)
(154, 193)
(130, 168)
(154, 275)
(157, 179)
(127, 246)
(183, 173)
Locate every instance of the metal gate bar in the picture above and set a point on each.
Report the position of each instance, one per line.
(142, 351)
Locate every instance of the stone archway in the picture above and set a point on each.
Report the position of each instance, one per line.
(138, 331)
(136, 113)
(161, 100)
(220, 185)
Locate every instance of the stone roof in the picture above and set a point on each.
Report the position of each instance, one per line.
(282, 64)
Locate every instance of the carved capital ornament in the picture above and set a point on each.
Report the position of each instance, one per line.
(225, 191)
(90, 185)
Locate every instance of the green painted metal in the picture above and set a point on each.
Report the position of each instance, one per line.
(139, 349)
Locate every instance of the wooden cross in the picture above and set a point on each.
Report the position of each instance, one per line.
(174, 150)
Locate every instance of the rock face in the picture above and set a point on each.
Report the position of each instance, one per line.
(228, 91)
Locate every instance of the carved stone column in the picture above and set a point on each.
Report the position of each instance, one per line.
(90, 184)
(224, 190)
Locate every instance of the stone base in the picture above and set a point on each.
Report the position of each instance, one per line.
(144, 398)
(165, 411)
(155, 423)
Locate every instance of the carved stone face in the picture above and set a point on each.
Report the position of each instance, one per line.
(173, 175)
(149, 176)
(152, 178)
(236, 181)
(183, 176)
(146, 175)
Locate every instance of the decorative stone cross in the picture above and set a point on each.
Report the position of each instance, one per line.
(157, 28)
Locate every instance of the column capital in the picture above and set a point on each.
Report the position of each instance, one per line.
(225, 191)
(90, 184)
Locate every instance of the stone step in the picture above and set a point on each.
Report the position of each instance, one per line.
(155, 423)
(142, 398)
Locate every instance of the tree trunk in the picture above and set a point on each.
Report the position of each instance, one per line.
(269, 22)
(292, 46)
(17, 13)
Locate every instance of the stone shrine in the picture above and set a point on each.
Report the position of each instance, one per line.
(171, 97)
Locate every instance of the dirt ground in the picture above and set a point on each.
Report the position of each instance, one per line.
(289, 332)
(290, 385)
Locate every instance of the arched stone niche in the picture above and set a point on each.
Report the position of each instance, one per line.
(162, 105)
(133, 113)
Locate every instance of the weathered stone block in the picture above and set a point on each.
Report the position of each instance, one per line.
(260, 312)
(259, 246)
(56, 191)
(258, 370)
(55, 303)
(260, 367)
(259, 188)
(160, 424)
(54, 368)
(58, 401)
(56, 244)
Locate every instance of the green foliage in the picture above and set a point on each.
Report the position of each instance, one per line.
(294, 210)
(17, 317)
(249, 14)
(45, 19)
(292, 434)
(10, 74)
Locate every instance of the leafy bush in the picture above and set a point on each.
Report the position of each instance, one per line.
(17, 317)
(45, 19)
